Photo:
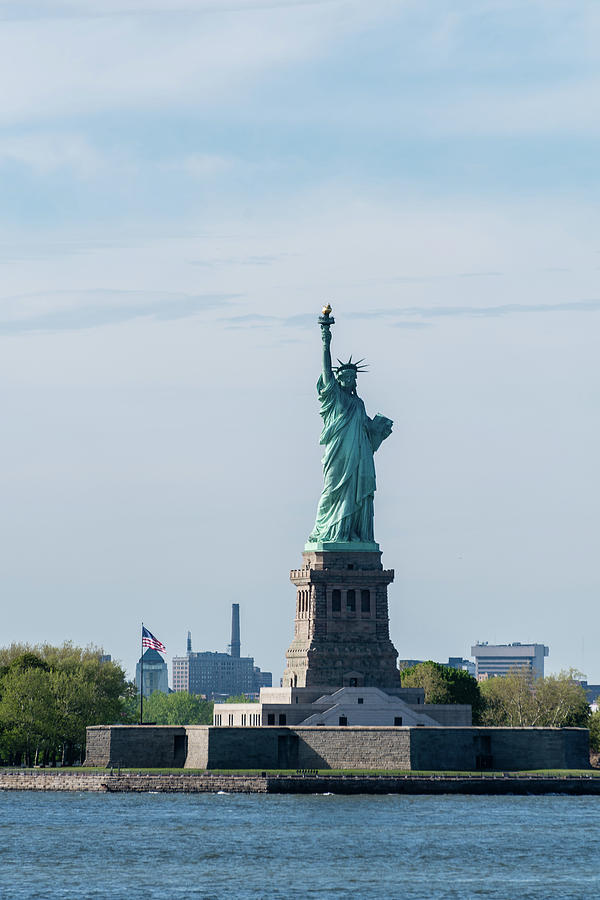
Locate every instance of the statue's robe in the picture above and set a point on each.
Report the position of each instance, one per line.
(345, 510)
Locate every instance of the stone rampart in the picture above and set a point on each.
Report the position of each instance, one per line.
(111, 782)
(505, 749)
(151, 746)
(419, 748)
(353, 747)
(52, 781)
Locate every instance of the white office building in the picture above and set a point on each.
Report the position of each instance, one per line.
(499, 659)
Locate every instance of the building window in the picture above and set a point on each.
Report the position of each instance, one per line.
(303, 603)
(365, 602)
(336, 601)
(271, 719)
(231, 718)
(351, 601)
(282, 718)
(397, 720)
(343, 720)
(243, 718)
(361, 700)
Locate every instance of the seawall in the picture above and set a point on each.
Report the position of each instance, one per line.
(105, 782)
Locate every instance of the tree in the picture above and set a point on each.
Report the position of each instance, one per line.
(178, 708)
(561, 701)
(49, 695)
(26, 712)
(594, 726)
(520, 700)
(444, 685)
(240, 698)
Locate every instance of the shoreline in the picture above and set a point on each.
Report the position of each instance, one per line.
(105, 782)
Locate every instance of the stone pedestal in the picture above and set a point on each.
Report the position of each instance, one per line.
(341, 634)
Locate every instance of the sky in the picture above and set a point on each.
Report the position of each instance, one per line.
(183, 185)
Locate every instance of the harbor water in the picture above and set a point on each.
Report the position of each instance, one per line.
(85, 845)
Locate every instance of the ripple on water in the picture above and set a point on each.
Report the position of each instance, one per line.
(267, 846)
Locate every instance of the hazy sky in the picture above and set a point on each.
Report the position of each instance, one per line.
(183, 185)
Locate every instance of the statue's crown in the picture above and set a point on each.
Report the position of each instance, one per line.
(355, 366)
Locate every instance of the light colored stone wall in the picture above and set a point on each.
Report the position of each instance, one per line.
(55, 781)
(197, 755)
(97, 745)
(111, 782)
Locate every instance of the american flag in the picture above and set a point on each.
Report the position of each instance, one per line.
(148, 640)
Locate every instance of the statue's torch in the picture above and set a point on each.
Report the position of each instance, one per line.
(326, 319)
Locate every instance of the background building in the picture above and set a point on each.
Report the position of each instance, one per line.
(465, 665)
(592, 691)
(219, 675)
(409, 663)
(454, 662)
(499, 659)
(156, 676)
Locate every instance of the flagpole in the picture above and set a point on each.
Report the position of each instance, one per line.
(142, 680)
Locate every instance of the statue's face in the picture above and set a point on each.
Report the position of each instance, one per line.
(346, 379)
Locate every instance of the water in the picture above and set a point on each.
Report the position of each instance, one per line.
(259, 846)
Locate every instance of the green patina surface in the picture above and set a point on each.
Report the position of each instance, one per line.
(350, 438)
(341, 545)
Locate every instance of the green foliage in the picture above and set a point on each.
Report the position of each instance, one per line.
(28, 661)
(594, 726)
(240, 698)
(444, 685)
(179, 708)
(520, 700)
(49, 695)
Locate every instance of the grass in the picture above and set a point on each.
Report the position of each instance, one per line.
(129, 770)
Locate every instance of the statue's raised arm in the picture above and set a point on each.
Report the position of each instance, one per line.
(350, 438)
(326, 320)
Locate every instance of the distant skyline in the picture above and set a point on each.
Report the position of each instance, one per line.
(184, 184)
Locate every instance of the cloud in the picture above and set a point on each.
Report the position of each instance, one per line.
(75, 310)
(307, 320)
(265, 259)
(505, 309)
(79, 66)
(203, 165)
(46, 152)
(44, 9)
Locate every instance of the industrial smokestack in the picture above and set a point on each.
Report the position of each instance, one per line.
(234, 647)
(189, 642)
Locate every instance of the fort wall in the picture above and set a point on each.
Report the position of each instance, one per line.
(354, 747)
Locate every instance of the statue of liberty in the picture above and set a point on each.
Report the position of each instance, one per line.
(350, 438)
